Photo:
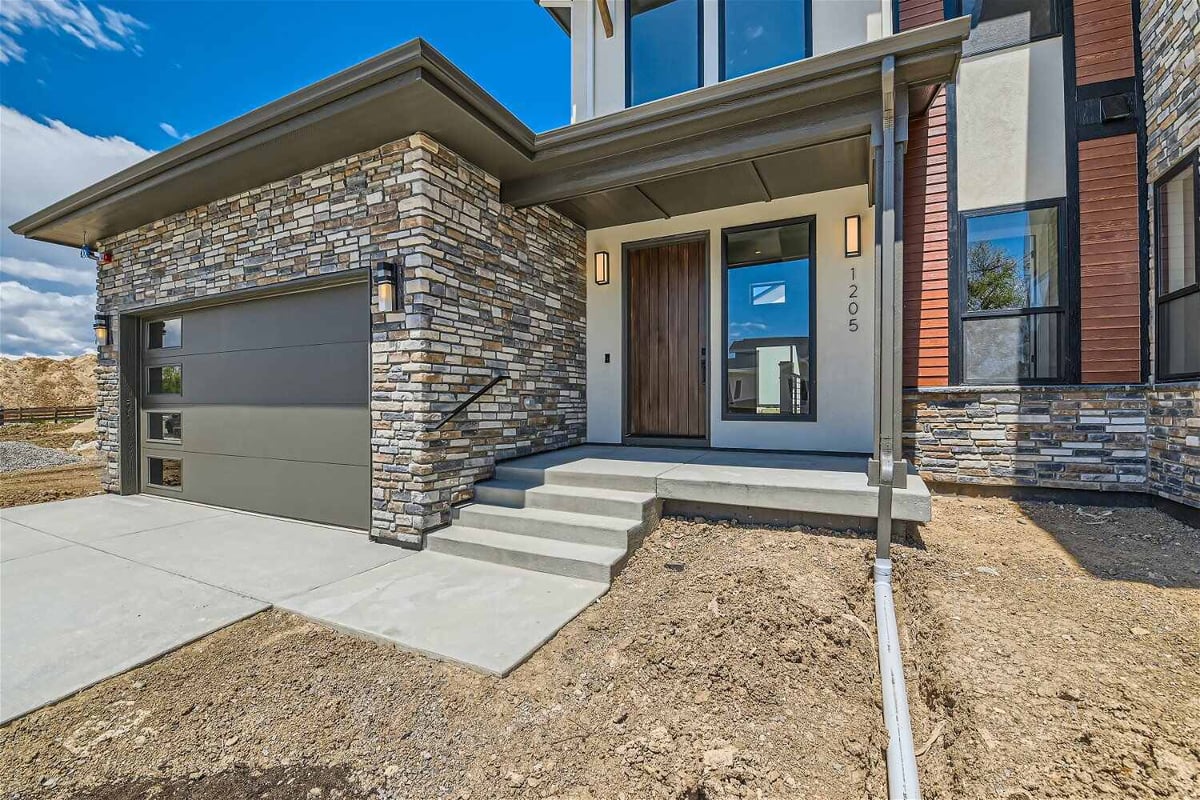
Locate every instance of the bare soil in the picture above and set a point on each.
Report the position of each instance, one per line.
(1054, 651)
(46, 382)
(1051, 652)
(45, 485)
(750, 670)
(55, 483)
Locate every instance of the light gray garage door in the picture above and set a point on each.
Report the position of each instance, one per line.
(262, 405)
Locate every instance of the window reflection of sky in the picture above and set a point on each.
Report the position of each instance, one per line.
(746, 320)
(760, 34)
(664, 52)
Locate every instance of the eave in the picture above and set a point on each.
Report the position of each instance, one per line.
(827, 101)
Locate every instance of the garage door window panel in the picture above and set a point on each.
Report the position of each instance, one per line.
(165, 426)
(166, 379)
(165, 473)
(164, 334)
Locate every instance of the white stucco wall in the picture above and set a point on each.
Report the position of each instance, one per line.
(1011, 126)
(598, 63)
(844, 373)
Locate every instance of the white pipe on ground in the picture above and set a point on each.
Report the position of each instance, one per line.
(901, 756)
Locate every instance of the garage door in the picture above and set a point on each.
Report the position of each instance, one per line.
(262, 405)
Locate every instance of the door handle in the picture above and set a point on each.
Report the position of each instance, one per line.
(703, 366)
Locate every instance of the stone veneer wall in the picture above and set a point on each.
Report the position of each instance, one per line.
(1170, 34)
(487, 289)
(1175, 442)
(1072, 438)
(1107, 438)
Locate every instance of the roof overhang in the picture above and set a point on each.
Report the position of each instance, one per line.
(801, 127)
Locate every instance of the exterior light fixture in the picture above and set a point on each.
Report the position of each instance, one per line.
(385, 286)
(101, 327)
(853, 236)
(601, 264)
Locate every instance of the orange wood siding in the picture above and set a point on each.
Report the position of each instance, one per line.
(915, 13)
(1109, 261)
(1103, 40)
(927, 250)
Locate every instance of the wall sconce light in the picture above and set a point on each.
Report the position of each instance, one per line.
(385, 286)
(601, 259)
(101, 327)
(853, 236)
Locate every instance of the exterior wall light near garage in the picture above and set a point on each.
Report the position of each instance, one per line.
(601, 260)
(385, 285)
(101, 327)
(853, 236)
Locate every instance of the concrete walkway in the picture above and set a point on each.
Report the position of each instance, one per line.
(92, 587)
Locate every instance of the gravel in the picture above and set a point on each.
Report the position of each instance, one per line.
(22, 455)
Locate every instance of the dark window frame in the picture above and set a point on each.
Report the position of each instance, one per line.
(1193, 161)
(1068, 333)
(952, 9)
(726, 414)
(629, 54)
(150, 322)
(808, 39)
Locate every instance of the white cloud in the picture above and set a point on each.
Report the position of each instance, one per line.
(169, 130)
(44, 323)
(42, 162)
(115, 31)
(39, 270)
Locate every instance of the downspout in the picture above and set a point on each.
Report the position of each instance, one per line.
(901, 757)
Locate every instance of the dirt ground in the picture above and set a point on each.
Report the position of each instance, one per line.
(55, 483)
(1051, 653)
(33, 382)
(1056, 649)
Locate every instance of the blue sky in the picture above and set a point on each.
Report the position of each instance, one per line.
(88, 88)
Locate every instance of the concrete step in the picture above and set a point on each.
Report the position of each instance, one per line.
(552, 556)
(526, 493)
(602, 475)
(549, 523)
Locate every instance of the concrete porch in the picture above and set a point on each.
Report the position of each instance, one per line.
(820, 488)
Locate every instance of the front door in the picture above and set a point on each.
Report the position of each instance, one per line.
(667, 378)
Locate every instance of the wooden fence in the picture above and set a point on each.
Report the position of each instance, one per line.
(45, 414)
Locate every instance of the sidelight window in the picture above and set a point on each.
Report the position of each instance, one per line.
(1012, 324)
(1177, 229)
(663, 49)
(770, 312)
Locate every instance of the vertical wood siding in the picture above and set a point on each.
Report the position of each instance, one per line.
(927, 250)
(915, 13)
(1103, 40)
(1109, 263)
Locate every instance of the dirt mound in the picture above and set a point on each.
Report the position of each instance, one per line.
(36, 382)
(725, 662)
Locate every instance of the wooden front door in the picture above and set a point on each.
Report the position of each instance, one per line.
(667, 359)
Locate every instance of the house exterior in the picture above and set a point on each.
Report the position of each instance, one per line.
(955, 235)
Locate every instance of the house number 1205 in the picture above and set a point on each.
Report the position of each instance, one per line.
(852, 307)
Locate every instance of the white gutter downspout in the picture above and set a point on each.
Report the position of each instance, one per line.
(901, 757)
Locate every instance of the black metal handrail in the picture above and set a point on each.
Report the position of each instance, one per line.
(461, 406)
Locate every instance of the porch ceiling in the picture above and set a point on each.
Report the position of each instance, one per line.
(798, 128)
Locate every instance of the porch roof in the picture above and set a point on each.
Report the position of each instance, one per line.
(797, 128)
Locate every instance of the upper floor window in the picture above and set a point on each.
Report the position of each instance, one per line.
(760, 34)
(1012, 320)
(1004, 23)
(1177, 229)
(663, 48)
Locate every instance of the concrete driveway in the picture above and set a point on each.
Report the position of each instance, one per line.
(92, 587)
